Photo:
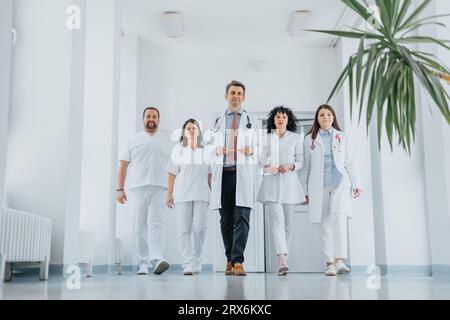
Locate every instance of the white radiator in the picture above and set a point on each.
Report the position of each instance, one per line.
(24, 238)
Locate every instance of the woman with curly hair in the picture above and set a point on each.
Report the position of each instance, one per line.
(281, 189)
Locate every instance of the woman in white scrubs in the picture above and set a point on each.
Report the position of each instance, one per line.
(281, 189)
(188, 192)
(330, 179)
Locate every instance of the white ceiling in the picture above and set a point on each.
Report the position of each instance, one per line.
(231, 22)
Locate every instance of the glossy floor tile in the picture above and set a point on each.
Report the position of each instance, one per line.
(174, 286)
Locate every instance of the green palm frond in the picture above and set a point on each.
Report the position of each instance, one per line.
(383, 73)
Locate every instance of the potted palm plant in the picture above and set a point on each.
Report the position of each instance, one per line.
(383, 72)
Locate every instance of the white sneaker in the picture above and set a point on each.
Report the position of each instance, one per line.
(188, 270)
(160, 267)
(341, 268)
(197, 268)
(330, 271)
(143, 269)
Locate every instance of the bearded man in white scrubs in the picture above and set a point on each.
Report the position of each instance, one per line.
(143, 161)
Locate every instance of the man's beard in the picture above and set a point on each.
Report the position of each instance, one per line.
(152, 126)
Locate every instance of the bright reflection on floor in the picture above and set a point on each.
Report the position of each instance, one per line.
(218, 287)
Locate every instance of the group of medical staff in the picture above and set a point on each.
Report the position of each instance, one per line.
(216, 171)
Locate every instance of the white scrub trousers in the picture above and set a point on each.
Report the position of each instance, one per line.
(333, 229)
(192, 221)
(150, 212)
(280, 225)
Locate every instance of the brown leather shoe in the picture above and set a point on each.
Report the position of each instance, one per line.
(238, 270)
(229, 269)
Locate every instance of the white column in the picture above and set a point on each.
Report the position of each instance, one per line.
(436, 140)
(36, 175)
(99, 162)
(72, 221)
(399, 207)
(377, 201)
(392, 207)
(129, 113)
(361, 244)
(6, 23)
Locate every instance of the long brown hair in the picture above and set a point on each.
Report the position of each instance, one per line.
(184, 140)
(315, 128)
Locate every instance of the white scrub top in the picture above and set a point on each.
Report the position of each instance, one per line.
(191, 171)
(148, 156)
(282, 188)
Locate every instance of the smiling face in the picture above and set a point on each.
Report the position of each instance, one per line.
(325, 119)
(235, 96)
(151, 120)
(281, 121)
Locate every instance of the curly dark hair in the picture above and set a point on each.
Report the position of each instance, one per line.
(292, 120)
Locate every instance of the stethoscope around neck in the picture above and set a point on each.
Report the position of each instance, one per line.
(249, 124)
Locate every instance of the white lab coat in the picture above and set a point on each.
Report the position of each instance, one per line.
(282, 188)
(312, 175)
(246, 165)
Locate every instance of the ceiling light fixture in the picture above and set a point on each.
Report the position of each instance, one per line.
(172, 24)
(299, 22)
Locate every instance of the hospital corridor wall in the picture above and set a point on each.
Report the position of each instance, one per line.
(74, 97)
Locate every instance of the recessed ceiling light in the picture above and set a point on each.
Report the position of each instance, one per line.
(299, 22)
(172, 24)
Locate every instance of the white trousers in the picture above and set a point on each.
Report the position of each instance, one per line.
(280, 225)
(150, 212)
(333, 229)
(192, 218)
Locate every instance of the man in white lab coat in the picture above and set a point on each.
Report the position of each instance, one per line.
(233, 147)
(143, 161)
